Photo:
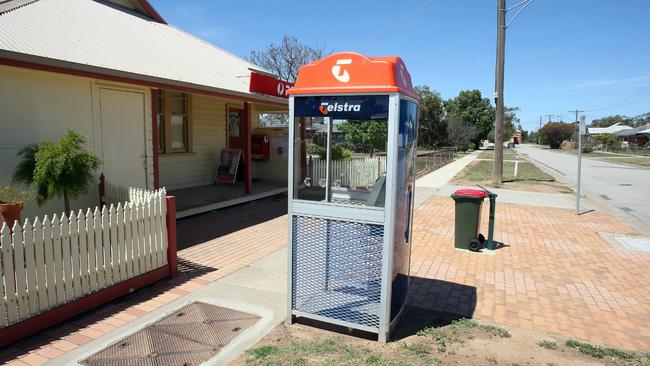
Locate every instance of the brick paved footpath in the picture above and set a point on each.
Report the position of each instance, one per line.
(555, 274)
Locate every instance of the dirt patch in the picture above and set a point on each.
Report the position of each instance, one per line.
(426, 338)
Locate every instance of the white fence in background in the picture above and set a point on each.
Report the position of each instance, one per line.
(350, 172)
(115, 194)
(49, 262)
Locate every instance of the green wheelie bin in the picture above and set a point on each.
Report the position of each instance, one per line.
(468, 218)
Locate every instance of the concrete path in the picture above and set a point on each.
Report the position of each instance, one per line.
(557, 200)
(427, 185)
(259, 288)
(621, 189)
(436, 183)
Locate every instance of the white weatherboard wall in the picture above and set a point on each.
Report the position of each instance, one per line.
(37, 106)
(209, 133)
(197, 168)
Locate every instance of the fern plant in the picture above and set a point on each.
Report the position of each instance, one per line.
(63, 169)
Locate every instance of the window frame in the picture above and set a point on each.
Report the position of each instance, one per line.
(164, 133)
(259, 120)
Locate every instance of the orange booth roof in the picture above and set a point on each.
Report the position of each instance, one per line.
(349, 72)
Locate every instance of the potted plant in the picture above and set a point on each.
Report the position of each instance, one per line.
(12, 202)
(64, 169)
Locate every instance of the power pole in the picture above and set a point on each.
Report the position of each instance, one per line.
(577, 111)
(550, 116)
(539, 136)
(497, 173)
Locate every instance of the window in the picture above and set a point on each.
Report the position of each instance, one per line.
(173, 122)
(274, 120)
(341, 158)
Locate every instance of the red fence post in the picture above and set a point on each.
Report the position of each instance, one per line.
(172, 256)
(102, 189)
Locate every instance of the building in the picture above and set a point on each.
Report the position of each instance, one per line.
(157, 104)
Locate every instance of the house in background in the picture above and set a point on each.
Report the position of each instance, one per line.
(157, 104)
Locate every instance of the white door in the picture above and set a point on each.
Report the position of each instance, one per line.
(122, 116)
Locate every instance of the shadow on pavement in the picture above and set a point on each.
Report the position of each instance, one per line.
(432, 303)
(497, 245)
(198, 229)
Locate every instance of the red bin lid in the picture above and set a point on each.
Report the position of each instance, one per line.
(471, 192)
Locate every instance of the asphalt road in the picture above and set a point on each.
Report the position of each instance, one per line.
(624, 189)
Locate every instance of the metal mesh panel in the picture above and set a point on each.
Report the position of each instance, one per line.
(336, 269)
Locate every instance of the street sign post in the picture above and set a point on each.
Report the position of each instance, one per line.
(581, 131)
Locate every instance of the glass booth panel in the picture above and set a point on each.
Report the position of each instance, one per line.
(309, 168)
(340, 149)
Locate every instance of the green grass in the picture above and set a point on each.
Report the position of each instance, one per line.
(481, 171)
(599, 352)
(332, 352)
(547, 344)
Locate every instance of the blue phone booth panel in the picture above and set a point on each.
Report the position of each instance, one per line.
(336, 269)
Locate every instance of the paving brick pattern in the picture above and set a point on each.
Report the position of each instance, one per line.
(555, 274)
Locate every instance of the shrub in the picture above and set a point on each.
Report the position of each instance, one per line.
(554, 133)
(338, 152)
(57, 169)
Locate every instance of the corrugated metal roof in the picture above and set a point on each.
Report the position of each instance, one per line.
(92, 34)
(608, 130)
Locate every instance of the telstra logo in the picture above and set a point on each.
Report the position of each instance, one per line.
(325, 108)
(339, 73)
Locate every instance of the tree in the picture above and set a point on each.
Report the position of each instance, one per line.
(62, 169)
(554, 133)
(460, 133)
(432, 130)
(370, 135)
(285, 59)
(510, 117)
(469, 106)
(612, 120)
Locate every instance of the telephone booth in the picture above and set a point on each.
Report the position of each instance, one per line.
(353, 135)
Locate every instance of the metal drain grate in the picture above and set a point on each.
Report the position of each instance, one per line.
(188, 337)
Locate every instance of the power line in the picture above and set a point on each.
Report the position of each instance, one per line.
(631, 99)
(395, 22)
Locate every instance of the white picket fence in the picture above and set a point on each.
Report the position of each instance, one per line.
(351, 172)
(49, 262)
(115, 194)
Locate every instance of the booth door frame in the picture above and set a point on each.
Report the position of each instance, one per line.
(371, 215)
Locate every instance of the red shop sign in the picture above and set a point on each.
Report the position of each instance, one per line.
(268, 85)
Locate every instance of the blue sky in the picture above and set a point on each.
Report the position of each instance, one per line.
(560, 54)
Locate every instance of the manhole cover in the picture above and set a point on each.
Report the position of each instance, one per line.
(187, 337)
